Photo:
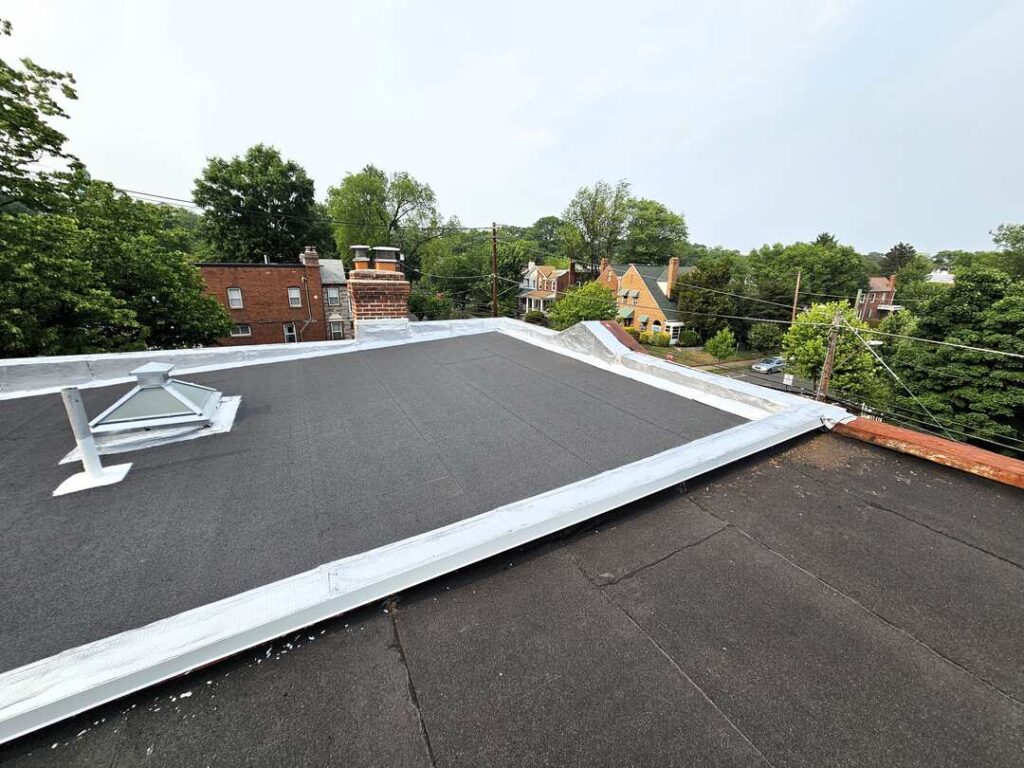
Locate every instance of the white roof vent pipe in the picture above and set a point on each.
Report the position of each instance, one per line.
(93, 474)
(159, 401)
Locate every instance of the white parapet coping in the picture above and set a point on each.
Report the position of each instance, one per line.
(54, 688)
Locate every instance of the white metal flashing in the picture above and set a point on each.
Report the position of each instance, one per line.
(57, 687)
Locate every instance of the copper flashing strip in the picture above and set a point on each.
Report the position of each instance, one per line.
(939, 450)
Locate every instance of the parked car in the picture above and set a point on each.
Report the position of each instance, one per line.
(769, 365)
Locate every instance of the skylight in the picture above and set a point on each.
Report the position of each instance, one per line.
(158, 401)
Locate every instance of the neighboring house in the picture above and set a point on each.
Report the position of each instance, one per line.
(337, 309)
(940, 276)
(542, 285)
(644, 294)
(282, 303)
(878, 300)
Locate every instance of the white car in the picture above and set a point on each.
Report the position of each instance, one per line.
(769, 365)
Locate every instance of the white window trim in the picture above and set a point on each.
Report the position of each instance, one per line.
(241, 335)
(294, 299)
(231, 301)
(336, 324)
(335, 300)
(294, 333)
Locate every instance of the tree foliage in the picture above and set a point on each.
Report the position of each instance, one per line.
(373, 207)
(765, 337)
(653, 233)
(806, 342)
(29, 102)
(258, 206)
(977, 393)
(591, 301)
(722, 345)
(595, 221)
(700, 297)
(897, 257)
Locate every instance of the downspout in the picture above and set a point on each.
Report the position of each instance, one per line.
(309, 307)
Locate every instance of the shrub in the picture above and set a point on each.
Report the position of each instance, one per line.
(721, 345)
(645, 337)
(660, 339)
(688, 338)
(536, 317)
(634, 332)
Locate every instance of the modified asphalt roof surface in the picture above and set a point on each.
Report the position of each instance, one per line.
(329, 456)
(827, 603)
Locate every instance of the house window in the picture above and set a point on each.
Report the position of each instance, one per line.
(294, 297)
(656, 326)
(235, 298)
(290, 336)
(241, 329)
(635, 300)
(336, 331)
(333, 296)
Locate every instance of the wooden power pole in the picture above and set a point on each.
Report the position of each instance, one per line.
(494, 269)
(796, 295)
(830, 357)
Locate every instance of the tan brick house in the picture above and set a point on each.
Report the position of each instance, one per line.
(644, 294)
(542, 285)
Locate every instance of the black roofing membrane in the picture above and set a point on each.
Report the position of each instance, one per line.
(329, 456)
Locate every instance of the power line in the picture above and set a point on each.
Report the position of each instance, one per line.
(944, 343)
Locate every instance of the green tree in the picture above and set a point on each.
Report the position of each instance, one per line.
(373, 207)
(591, 301)
(806, 342)
(826, 239)
(257, 206)
(897, 257)
(977, 393)
(139, 259)
(595, 222)
(834, 270)
(722, 345)
(702, 295)
(543, 235)
(1009, 238)
(653, 233)
(52, 302)
(765, 337)
(914, 271)
(29, 103)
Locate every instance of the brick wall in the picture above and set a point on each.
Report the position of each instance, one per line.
(646, 304)
(265, 305)
(377, 294)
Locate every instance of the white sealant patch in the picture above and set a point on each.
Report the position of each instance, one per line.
(77, 679)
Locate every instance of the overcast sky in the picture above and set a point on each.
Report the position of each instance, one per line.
(761, 121)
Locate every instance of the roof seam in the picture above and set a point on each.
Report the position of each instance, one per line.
(867, 610)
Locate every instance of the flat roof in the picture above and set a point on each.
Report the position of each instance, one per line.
(329, 457)
(822, 603)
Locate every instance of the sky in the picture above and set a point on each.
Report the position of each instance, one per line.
(762, 122)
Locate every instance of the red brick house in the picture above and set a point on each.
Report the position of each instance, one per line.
(271, 303)
(878, 300)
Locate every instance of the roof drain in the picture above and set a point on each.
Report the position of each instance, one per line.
(158, 411)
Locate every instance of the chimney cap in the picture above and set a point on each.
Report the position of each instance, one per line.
(385, 253)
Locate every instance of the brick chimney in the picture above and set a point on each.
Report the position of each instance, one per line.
(604, 264)
(380, 291)
(310, 257)
(673, 275)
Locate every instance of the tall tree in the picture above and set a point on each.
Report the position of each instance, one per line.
(29, 102)
(596, 221)
(702, 295)
(826, 239)
(836, 270)
(653, 233)
(979, 393)
(373, 207)
(543, 233)
(52, 302)
(897, 257)
(257, 206)
(1009, 238)
(140, 261)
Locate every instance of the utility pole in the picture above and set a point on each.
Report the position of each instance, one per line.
(830, 356)
(856, 304)
(796, 295)
(494, 269)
